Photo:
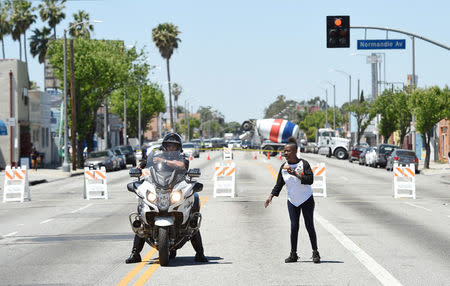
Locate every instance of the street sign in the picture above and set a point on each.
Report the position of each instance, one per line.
(381, 44)
(11, 121)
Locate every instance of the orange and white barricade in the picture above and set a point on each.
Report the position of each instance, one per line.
(227, 153)
(16, 187)
(225, 179)
(95, 186)
(320, 180)
(404, 179)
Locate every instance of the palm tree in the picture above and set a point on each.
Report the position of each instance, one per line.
(22, 19)
(165, 37)
(52, 11)
(177, 90)
(5, 26)
(38, 43)
(81, 30)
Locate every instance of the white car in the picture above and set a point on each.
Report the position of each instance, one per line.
(191, 149)
(371, 157)
(235, 143)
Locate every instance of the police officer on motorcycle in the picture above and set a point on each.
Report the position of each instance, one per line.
(172, 142)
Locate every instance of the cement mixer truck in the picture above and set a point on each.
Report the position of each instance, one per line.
(269, 134)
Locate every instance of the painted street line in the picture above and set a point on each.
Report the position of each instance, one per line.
(80, 209)
(47, 220)
(11, 234)
(376, 269)
(420, 207)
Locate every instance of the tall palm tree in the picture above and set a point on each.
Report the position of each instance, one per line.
(165, 37)
(81, 30)
(38, 43)
(52, 11)
(22, 18)
(5, 26)
(176, 90)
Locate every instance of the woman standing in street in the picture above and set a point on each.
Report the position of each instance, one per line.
(298, 177)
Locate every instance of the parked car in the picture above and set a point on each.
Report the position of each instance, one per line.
(120, 157)
(130, 156)
(382, 150)
(191, 149)
(199, 143)
(208, 143)
(354, 153)
(235, 143)
(371, 156)
(402, 157)
(98, 159)
(362, 156)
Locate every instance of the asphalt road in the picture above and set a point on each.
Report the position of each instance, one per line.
(365, 236)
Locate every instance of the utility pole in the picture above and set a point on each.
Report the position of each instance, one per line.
(74, 109)
(105, 124)
(413, 84)
(139, 116)
(65, 165)
(125, 117)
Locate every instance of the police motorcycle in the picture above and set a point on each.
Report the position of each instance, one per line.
(167, 217)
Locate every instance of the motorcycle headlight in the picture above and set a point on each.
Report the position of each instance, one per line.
(175, 196)
(151, 197)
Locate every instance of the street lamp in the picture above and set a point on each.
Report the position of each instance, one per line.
(334, 103)
(349, 98)
(66, 166)
(327, 125)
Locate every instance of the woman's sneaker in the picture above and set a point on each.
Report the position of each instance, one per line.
(292, 258)
(316, 256)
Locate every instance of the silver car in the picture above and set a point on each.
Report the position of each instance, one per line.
(99, 159)
(191, 149)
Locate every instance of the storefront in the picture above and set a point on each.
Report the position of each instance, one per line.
(444, 139)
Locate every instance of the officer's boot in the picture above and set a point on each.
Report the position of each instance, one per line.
(197, 244)
(135, 255)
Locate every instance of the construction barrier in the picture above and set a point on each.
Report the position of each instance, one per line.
(404, 179)
(225, 179)
(227, 153)
(16, 187)
(320, 180)
(95, 186)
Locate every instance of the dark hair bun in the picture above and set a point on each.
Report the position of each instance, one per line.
(292, 140)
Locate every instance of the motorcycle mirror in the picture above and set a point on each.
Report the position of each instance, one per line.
(135, 172)
(194, 173)
(130, 187)
(198, 187)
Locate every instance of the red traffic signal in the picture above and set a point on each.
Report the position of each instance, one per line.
(338, 31)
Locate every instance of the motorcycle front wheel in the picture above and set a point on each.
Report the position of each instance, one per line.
(163, 246)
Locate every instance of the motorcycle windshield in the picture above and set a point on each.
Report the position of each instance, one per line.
(167, 168)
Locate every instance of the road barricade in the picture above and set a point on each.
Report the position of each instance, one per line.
(16, 187)
(95, 186)
(320, 180)
(225, 179)
(227, 153)
(404, 179)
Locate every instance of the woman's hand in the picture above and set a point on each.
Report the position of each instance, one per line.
(268, 201)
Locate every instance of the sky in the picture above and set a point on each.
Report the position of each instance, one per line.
(238, 56)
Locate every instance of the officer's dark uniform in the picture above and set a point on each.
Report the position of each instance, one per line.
(196, 240)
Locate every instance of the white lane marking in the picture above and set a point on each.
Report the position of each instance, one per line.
(82, 208)
(47, 220)
(20, 224)
(376, 269)
(11, 234)
(345, 178)
(420, 207)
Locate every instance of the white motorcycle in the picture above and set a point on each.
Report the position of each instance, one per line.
(167, 214)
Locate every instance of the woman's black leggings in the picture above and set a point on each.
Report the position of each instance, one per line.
(294, 215)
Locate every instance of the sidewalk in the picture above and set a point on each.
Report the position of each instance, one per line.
(442, 169)
(45, 175)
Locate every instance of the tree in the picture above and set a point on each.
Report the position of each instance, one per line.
(384, 105)
(165, 37)
(22, 18)
(52, 11)
(428, 107)
(83, 29)
(312, 122)
(232, 127)
(194, 123)
(404, 114)
(5, 25)
(38, 43)
(105, 68)
(364, 114)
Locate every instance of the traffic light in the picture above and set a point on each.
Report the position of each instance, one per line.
(338, 31)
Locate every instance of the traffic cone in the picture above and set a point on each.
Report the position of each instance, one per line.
(255, 157)
(207, 158)
(268, 155)
(191, 158)
(279, 156)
